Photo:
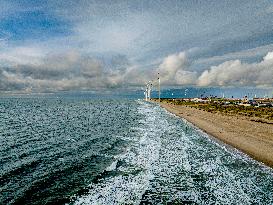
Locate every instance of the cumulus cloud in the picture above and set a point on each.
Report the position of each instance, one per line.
(173, 70)
(244, 54)
(21, 55)
(269, 56)
(69, 71)
(28, 69)
(236, 73)
(75, 71)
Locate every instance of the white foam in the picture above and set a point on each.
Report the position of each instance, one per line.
(169, 159)
(112, 166)
(130, 188)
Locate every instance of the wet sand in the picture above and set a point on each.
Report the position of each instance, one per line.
(253, 138)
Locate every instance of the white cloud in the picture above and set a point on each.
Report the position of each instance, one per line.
(173, 70)
(69, 71)
(249, 53)
(269, 56)
(22, 55)
(236, 73)
(75, 71)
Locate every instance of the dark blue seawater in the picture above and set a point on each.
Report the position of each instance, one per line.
(85, 150)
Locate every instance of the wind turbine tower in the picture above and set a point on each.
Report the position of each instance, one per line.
(159, 87)
(147, 92)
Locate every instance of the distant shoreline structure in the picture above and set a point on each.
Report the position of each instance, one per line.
(245, 101)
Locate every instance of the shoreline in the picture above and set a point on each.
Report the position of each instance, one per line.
(252, 138)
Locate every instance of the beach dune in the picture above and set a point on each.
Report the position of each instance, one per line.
(253, 138)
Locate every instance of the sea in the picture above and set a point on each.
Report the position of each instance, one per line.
(94, 148)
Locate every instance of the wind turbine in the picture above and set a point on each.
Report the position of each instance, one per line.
(147, 92)
(158, 77)
(149, 85)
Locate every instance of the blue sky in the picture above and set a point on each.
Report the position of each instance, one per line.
(71, 45)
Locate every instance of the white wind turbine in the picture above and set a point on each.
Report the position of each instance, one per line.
(148, 89)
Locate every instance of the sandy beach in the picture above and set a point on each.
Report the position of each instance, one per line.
(252, 138)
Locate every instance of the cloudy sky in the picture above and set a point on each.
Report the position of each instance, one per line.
(49, 45)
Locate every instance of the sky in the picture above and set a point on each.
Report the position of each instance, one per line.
(50, 46)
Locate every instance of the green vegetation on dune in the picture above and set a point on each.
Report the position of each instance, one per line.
(263, 113)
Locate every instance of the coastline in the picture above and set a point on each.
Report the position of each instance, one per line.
(253, 138)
